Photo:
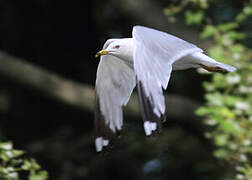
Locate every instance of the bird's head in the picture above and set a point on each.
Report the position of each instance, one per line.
(121, 48)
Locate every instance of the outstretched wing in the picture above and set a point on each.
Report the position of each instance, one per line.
(115, 82)
(154, 53)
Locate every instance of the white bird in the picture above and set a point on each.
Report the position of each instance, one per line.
(145, 60)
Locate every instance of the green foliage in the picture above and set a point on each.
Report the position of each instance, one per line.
(12, 164)
(228, 108)
(194, 17)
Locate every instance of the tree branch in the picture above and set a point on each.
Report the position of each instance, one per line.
(79, 95)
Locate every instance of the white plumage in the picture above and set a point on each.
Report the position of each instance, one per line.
(146, 60)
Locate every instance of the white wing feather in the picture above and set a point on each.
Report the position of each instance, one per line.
(115, 82)
(154, 54)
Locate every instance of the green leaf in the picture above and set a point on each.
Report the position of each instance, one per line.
(41, 175)
(218, 53)
(4, 156)
(203, 4)
(227, 113)
(230, 100)
(214, 98)
(27, 165)
(241, 17)
(221, 153)
(6, 145)
(202, 111)
(208, 31)
(236, 35)
(236, 48)
(17, 153)
(221, 139)
(209, 86)
(225, 40)
(220, 81)
(194, 17)
(227, 27)
(12, 164)
(229, 127)
(248, 10)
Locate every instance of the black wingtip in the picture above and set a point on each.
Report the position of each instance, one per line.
(104, 135)
(152, 122)
(102, 132)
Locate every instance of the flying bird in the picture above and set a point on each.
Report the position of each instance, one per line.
(146, 60)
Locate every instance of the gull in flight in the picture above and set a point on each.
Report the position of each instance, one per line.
(146, 60)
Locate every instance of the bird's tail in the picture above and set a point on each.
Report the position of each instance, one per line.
(218, 67)
(211, 65)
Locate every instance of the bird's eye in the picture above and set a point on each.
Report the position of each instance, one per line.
(117, 46)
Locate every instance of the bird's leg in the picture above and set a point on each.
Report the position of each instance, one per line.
(213, 68)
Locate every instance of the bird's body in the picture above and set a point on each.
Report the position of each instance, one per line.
(146, 60)
(195, 60)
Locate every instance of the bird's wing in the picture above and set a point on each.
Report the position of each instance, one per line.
(115, 82)
(154, 53)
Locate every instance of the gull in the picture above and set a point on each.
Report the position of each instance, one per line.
(146, 60)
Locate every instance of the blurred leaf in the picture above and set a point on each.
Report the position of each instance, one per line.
(171, 11)
(236, 35)
(217, 52)
(230, 100)
(41, 175)
(227, 113)
(227, 26)
(214, 98)
(221, 153)
(219, 81)
(208, 31)
(236, 48)
(228, 109)
(248, 10)
(203, 4)
(229, 127)
(6, 145)
(194, 17)
(221, 139)
(13, 163)
(17, 153)
(202, 111)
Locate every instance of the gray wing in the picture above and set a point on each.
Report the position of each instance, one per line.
(115, 82)
(154, 54)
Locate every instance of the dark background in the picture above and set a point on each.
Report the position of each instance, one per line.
(63, 37)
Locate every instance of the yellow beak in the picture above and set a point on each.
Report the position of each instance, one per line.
(101, 53)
